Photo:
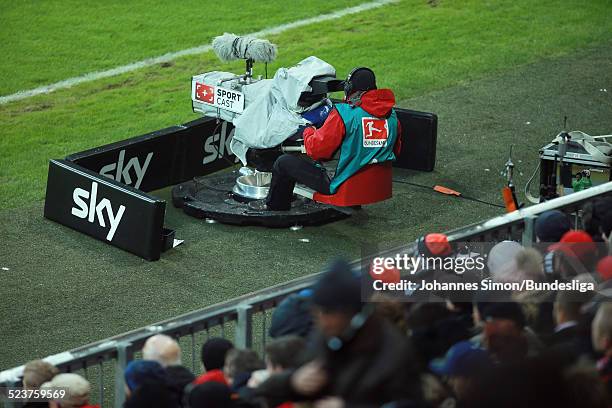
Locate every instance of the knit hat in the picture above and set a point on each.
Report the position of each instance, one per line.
(214, 351)
(139, 371)
(551, 225)
(338, 289)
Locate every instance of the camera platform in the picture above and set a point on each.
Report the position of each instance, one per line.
(213, 197)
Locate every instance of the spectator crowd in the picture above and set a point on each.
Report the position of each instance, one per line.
(330, 349)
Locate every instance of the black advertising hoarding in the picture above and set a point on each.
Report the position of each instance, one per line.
(101, 191)
(164, 157)
(137, 162)
(419, 138)
(105, 209)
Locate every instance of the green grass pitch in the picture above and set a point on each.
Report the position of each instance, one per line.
(487, 68)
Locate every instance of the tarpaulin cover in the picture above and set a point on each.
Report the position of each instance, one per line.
(274, 114)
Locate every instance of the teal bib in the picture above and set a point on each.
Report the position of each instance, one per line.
(368, 140)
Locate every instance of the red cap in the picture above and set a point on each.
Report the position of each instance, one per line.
(387, 275)
(437, 244)
(604, 267)
(576, 243)
(576, 236)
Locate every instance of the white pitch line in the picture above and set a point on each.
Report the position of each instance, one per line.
(93, 76)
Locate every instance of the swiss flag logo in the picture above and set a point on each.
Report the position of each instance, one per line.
(375, 132)
(205, 93)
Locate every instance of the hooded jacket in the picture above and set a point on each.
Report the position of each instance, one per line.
(177, 378)
(376, 367)
(322, 143)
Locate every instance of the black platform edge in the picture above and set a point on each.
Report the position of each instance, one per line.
(210, 197)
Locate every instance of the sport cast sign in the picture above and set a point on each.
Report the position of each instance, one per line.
(218, 97)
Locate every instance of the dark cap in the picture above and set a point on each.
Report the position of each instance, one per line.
(359, 79)
(462, 359)
(140, 371)
(214, 351)
(292, 315)
(503, 310)
(338, 289)
(551, 225)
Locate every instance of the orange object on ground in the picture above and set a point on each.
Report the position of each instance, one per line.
(371, 184)
(446, 190)
(509, 199)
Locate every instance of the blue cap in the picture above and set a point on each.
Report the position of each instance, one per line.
(139, 371)
(293, 316)
(305, 293)
(463, 359)
(551, 225)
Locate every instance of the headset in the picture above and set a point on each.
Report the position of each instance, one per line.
(187, 394)
(348, 85)
(336, 343)
(550, 261)
(558, 265)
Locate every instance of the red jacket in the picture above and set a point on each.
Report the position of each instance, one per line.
(212, 375)
(322, 143)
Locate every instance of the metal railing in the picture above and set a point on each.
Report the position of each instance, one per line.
(520, 225)
(237, 319)
(244, 319)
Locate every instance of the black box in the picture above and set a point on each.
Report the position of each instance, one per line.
(419, 138)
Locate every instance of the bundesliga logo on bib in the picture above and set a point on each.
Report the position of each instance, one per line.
(375, 132)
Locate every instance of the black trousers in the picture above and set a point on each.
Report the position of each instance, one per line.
(289, 169)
